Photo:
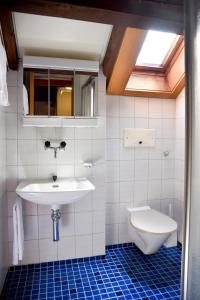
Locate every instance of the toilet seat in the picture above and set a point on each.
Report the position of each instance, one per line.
(152, 221)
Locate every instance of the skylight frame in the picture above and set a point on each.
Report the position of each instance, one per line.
(167, 58)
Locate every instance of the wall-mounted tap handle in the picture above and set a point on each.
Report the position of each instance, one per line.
(47, 144)
(63, 145)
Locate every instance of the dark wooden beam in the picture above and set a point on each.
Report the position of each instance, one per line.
(113, 48)
(142, 14)
(8, 33)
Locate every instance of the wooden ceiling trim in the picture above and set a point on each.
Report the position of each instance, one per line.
(149, 94)
(9, 40)
(130, 47)
(132, 13)
(112, 52)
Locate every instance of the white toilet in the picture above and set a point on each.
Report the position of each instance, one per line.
(150, 229)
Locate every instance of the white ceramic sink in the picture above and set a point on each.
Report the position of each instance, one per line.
(47, 192)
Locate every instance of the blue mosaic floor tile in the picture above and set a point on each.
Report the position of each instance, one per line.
(124, 273)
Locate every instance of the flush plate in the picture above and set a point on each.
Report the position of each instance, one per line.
(138, 137)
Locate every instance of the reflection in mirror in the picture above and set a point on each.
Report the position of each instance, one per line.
(61, 93)
(35, 92)
(50, 92)
(85, 89)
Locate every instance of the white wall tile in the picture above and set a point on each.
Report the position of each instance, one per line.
(155, 169)
(112, 192)
(30, 227)
(11, 152)
(112, 213)
(141, 122)
(169, 108)
(154, 189)
(112, 106)
(97, 195)
(83, 133)
(157, 125)
(126, 191)
(83, 246)
(123, 234)
(27, 172)
(112, 234)
(11, 126)
(83, 223)
(48, 250)
(84, 204)
(45, 226)
(67, 225)
(65, 133)
(66, 248)
(31, 252)
(141, 169)
(126, 106)
(169, 128)
(141, 107)
(83, 150)
(140, 190)
(155, 108)
(27, 152)
(126, 170)
(112, 127)
(11, 180)
(98, 244)
(113, 149)
(98, 221)
(112, 171)
(125, 152)
(26, 133)
(13, 99)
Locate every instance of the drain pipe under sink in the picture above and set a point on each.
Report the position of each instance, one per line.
(55, 216)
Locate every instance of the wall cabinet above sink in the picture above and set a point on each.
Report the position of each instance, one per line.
(60, 92)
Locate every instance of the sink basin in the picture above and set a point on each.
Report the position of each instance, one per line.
(47, 192)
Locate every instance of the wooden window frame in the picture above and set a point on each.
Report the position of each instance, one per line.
(164, 82)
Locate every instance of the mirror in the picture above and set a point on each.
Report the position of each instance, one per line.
(63, 93)
(85, 89)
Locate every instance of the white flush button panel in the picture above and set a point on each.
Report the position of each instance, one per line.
(136, 137)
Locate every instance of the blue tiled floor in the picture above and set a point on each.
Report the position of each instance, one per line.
(125, 273)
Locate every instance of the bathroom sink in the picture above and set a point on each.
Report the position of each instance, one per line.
(47, 192)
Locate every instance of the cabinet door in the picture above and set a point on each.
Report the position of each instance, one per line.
(85, 94)
(35, 92)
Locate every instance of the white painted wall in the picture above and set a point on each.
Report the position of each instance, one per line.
(3, 206)
(82, 227)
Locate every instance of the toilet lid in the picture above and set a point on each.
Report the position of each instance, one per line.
(152, 221)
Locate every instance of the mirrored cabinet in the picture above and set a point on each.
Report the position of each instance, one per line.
(53, 92)
(60, 93)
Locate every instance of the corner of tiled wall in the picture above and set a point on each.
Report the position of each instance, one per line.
(137, 177)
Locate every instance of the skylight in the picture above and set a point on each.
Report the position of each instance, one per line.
(155, 48)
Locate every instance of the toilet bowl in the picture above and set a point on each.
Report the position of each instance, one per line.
(150, 229)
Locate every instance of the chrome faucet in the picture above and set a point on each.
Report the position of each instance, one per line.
(60, 146)
(54, 177)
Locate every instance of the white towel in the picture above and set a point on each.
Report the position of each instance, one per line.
(3, 81)
(25, 101)
(18, 232)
